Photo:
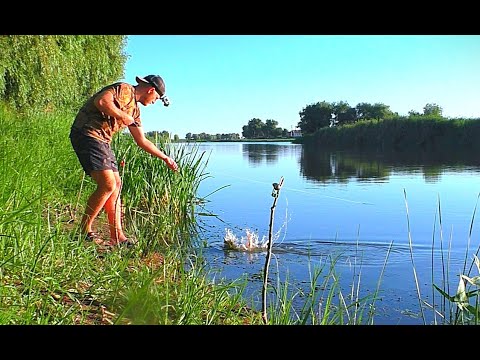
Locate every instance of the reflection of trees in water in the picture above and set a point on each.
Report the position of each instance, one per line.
(258, 153)
(341, 166)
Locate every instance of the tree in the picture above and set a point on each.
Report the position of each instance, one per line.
(432, 110)
(315, 116)
(380, 111)
(270, 128)
(343, 113)
(365, 111)
(254, 129)
(47, 72)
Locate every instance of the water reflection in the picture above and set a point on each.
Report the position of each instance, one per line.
(259, 153)
(343, 166)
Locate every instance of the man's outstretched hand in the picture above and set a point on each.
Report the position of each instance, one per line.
(171, 164)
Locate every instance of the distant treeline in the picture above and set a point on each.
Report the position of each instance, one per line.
(400, 133)
(317, 116)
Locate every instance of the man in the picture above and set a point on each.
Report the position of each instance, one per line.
(110, 110)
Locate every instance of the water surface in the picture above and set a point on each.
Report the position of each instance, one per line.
(354, 207)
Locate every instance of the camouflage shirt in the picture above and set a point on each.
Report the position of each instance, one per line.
(92, 122)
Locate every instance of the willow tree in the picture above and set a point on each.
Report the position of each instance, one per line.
(50, 72)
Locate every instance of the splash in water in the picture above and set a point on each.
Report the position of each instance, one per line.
(250, 242)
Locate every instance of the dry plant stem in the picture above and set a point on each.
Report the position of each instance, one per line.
(275, 194)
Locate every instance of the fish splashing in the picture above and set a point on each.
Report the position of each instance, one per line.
(250, 242)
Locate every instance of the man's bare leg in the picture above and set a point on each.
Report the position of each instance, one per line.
(113, 208)
(106, 186)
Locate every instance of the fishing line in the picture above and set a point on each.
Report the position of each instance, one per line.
(297, 190)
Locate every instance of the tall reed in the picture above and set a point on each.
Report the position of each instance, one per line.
(160, 204)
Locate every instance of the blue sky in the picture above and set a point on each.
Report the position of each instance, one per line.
(217, 83)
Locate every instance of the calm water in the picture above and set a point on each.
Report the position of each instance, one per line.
(347, 205)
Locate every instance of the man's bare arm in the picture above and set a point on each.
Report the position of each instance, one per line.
(105, 103)
(148, 146)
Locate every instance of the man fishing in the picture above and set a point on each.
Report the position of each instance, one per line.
(109, 111)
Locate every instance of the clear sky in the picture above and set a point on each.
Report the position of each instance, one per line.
(217, 83)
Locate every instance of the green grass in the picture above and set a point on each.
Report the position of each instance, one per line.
(48, 276)
(460, 307)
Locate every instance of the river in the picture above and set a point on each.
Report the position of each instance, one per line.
(389, 221)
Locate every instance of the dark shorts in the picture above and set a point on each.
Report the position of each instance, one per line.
(93, 154)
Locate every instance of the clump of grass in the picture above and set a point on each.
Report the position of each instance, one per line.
(464, 304)
(160, 203)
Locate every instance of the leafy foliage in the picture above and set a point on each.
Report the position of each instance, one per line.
(315, 116)
(324, 114)
(49, 72)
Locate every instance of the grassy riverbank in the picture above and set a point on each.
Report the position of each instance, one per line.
(48, 275)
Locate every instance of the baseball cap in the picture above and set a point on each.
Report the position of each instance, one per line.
(155, 80)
